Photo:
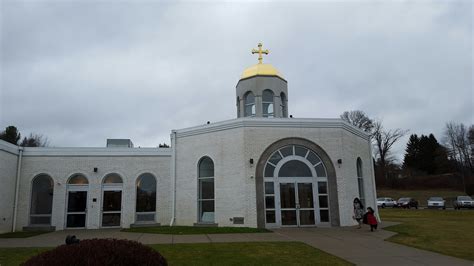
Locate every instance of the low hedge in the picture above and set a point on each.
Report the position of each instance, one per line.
(100, 252)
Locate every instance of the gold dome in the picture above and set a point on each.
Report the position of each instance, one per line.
(261, 70)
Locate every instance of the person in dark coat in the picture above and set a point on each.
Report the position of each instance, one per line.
(371, 219)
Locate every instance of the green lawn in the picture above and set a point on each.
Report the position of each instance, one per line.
(23, 234)
(247, 253)
(194, 230)
(15, 256)
(421, 195)
(448, 232)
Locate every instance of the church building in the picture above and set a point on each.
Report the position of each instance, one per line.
(261, 169)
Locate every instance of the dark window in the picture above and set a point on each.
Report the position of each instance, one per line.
(146, 193)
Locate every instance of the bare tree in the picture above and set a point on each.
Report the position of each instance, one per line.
(35, 140)
(459, 142)
(359, 119)
(383, 141)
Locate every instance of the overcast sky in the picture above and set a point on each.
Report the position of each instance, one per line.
(80, 72)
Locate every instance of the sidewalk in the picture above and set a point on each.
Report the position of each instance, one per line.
(359, 246)
(362, 247)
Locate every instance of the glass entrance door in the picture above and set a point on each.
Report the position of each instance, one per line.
(296, 204)
(76, 209)
(111, 208)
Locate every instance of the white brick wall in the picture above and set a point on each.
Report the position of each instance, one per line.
(129, 167)
(230, 144)
(8, 168)
(231, 150)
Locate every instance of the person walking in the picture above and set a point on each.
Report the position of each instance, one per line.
(358, 212)
(371, 219)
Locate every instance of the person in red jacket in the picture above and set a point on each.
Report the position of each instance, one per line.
(371, 219)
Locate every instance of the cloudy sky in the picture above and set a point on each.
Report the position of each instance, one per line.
(80, 72)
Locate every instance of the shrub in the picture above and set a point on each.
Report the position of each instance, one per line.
(100, 252)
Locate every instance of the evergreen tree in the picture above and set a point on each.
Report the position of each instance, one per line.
(412, 152)
(425, 154)
(11, 135)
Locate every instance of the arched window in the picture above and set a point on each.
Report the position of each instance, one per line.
(206, 190)
(284, 110)
(294, 168)
(41, 200)
(360, 180)
(112, 179)
(146, 198)
(249, 104)
(267, 103)
(78, 179)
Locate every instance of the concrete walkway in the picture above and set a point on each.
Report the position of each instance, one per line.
(359, 246)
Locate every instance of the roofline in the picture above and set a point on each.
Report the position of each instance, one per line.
(272, 122)
(276, 76)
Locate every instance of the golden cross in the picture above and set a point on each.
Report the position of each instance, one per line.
(259, 52)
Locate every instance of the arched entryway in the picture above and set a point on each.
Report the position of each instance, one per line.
(296, 186)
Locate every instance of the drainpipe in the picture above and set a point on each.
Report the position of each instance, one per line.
(173, 176)
(17, 187)
(373, 179)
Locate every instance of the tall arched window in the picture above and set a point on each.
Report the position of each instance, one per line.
(41, 200)
(284, 109)
(267, 103)
(146, 198)
(249, 104)
(360, 180)
(206, 190)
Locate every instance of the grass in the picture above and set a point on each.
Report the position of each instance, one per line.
(16, 256)
(448, 232)
(23, 234)
(194, 230)
(421, 195)
(246, 253)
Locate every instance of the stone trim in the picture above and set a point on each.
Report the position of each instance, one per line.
(331, 172)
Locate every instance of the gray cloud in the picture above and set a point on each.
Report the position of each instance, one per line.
(83, 72)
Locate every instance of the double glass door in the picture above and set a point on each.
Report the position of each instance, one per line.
(76, 209)
(297, 204)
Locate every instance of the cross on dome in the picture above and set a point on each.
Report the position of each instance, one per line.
(260, 52)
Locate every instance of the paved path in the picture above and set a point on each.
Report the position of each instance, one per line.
(362, 247)
(359, 246)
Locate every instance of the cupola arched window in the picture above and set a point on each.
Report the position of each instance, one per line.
(206, 190)
(249, 104)
(284, 110)
(267, 103)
